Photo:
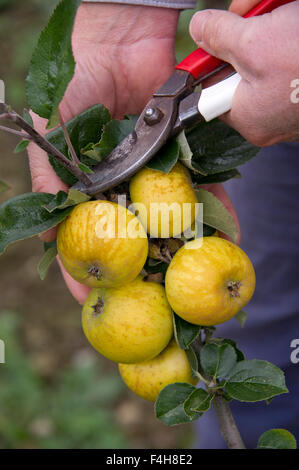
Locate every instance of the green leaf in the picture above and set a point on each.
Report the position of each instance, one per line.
(186, 153)
(277, 439)
(217, 177)
(48, 245)
(63, 200)
(216, 215)
(217, 360)
(113, 133)
(193, 362)
(226, 396)
(185, 332)
(21, 146)
(3, 187)
(46, 261)
(199, 401)
(169, 407)
(52, 65)
(92, 151)
(84, 129)
(56, 201)
(54, 119)
(133, 118)
(166, 157)
(239, 353)
(24, 216)
(255, 380)
(241, 317)
(217, 147)
(74, 197)
(27, 117)
(85, 168)
(208, 231)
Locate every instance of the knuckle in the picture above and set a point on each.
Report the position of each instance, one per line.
(212, 31)
(252, 47)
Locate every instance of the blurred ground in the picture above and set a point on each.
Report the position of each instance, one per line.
(54, 390)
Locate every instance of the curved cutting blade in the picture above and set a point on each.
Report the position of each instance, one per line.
(134, 151)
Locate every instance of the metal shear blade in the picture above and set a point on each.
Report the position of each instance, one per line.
(133, 152)
(154, 126)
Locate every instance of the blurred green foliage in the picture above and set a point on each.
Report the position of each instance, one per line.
(73, 412)
(184, 43)
(5, 3)
(20, 25)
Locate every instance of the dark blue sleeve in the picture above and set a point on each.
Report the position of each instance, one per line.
(267, 203)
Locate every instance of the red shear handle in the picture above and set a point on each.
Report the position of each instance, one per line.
(199, 63)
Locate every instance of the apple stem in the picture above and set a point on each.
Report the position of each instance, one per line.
(8, 114)
(228, 427)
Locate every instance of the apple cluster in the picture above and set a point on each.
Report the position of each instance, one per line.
(127, 317)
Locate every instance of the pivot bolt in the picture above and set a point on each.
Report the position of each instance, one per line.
(152, 116)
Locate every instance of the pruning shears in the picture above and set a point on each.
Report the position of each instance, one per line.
(175, 106)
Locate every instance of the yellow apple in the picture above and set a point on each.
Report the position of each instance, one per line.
(102, 244)
(128, 324)
(148, 378)
(209, 280)
(165, 203)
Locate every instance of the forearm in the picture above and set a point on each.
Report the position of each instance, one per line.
(116, 24)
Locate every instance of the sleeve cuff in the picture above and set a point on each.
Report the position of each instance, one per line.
(176, 4)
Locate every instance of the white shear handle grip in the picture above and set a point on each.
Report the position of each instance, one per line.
(217, 99)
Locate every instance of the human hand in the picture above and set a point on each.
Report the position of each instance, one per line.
(264, 51)
(241, 7)
(117, 49)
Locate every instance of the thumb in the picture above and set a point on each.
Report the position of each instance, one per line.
(242, 7)
(219, 33)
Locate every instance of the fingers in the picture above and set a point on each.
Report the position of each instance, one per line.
(217, 32)
(219, 192)
(225, 35)
(241, 7)
(78, 291)
(44, 178)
